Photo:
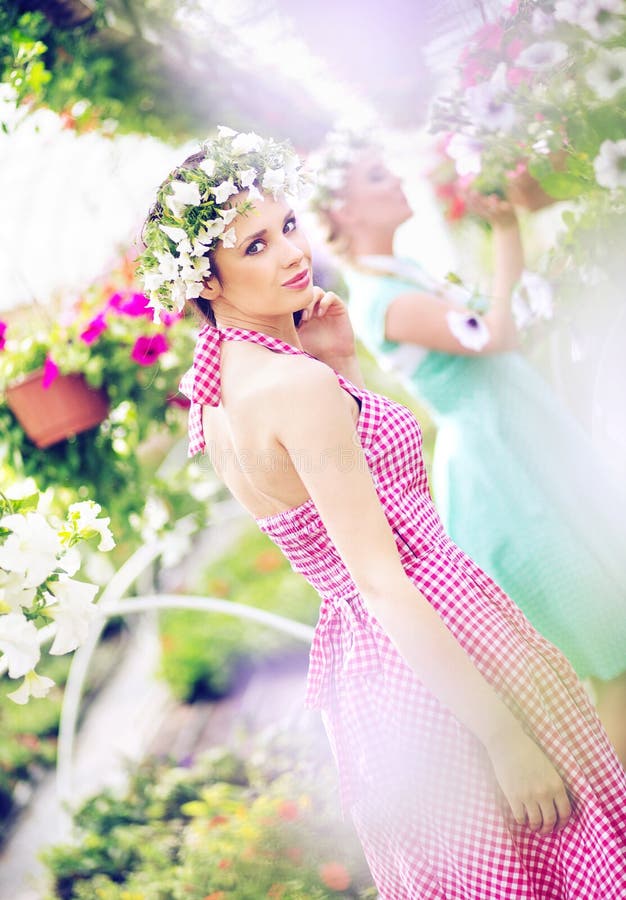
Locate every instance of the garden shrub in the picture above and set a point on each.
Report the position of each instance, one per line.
(263, 826)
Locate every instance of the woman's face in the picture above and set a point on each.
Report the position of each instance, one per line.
(373, 192)
(268, 271)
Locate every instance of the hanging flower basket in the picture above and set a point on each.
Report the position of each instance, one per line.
(64, 408)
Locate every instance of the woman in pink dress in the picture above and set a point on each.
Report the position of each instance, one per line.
(470, 759)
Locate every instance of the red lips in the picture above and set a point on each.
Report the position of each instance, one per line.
(299, 280)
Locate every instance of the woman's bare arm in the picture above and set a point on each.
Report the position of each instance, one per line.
(314, 417)
(420, 318)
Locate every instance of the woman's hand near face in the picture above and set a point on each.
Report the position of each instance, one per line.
(325, 331)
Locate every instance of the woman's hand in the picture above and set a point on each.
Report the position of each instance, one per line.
(325, 330)
(491, 208)
(532, 786)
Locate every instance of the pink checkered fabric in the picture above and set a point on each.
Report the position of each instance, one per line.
(418, 784)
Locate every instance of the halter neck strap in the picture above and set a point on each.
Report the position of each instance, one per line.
(201, 383)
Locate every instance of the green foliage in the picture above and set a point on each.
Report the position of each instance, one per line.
(266, 826)
(109, 462)
(202, 653)
(122, 76)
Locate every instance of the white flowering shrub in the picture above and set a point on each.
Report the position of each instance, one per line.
(39, 556)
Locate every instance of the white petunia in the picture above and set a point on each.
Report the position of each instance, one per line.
(210, 231)
(570, 10)
(246, 143)
(178, 295)
(225, 131)
(208, 167)
(603, 19)
(542, 22)
(255, 195)
(19, 642)
(466, 152)
(610, 164)
(153, 280)
(184, 194)
(273, 181)
(13, 594)
(175, 234)
(468, 328)
(33, 686)
(85, 516)
(168, 266)
(606, 75)
(229, 238)
(486, 104)
(32, 548)
(224, 190)
(73, 613)
(247, 177)
(542, 55)
(228, 214)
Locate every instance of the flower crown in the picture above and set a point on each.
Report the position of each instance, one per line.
(193, 210)
(329, 165)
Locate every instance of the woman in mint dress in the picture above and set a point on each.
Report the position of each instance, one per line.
(514, 477)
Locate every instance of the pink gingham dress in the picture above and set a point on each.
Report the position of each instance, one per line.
(419, 786)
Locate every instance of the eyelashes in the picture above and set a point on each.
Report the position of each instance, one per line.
(258, 244)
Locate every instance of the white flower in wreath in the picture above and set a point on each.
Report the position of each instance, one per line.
(228, 214)
(175, 234)
(486, 104)
(19, 642)
(468, 328)
(152, 281)
(225, 131)
(606, 75)
(34, 685)
(247, 177)
(466, 151)
(255, 195)
(246, 143)
(73, 613)
(610, 164)
(184, 194)
(210, 231)
(168, 266)
(273, 181)
(224, 190)
(229, 238)
(33, 547)
(542, 55)
(208, 167)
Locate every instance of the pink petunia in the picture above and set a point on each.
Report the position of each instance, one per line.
(94, 329)
(514, 48)
(3, 331)
(516, 76)
(489, 37)
(148, 349)
(50, 372)
(135, 305)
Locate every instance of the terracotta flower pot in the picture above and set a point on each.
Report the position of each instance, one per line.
(65, 408)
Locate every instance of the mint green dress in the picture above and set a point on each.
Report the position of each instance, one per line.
(516, 482)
